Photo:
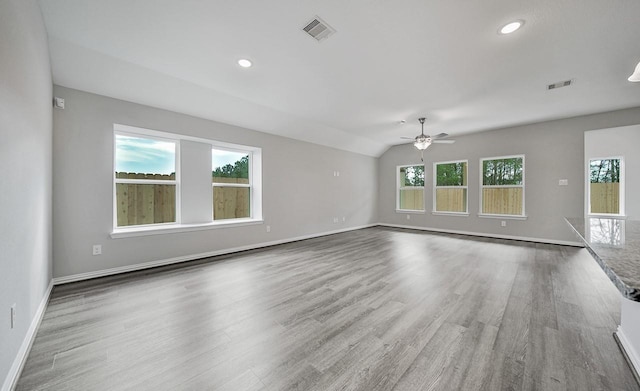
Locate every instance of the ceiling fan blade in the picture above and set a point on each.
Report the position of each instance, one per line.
(441, 135)
(443, 141)
(408, 138)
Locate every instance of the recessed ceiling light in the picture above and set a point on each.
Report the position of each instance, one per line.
(243, 62)
(511, 27)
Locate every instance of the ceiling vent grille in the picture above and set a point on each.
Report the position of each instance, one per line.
(559, 84)
(318, 29)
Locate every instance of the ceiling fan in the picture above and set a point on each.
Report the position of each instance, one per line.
(423, 141)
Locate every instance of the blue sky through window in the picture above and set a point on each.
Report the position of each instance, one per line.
(145, 156)
(220, 158)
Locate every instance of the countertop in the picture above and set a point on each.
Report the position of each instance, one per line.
(615, 245)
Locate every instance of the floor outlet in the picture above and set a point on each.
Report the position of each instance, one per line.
(97, 249)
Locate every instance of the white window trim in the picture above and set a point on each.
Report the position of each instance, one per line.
(436, 187)
(245, 185)
(179, 226)
(399, 188)
(522, 216)
(621, 201)
(152, 135)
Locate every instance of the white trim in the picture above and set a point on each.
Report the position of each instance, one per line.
(436, 187)
(410, 211)
(168, 228)
(486, 235)
(505, 217)
(400, 188)
(184, 258)
(621, 189)
(442, 213)
(631, 353)
(21, 358)
(482, 186)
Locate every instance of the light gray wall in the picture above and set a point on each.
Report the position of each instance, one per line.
(25, 158)
(625, 142)
(300, 193)
(553, 150)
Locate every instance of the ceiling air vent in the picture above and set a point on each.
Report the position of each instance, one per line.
(318, 29)
(559, 84)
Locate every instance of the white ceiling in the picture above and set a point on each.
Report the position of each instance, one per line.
(388, 61)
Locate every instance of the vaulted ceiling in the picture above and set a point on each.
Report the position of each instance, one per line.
(388, 61)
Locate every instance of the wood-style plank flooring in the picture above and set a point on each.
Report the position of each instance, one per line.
(373, 309)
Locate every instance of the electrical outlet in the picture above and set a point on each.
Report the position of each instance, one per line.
(563, 182)
(344, 218)
(408, 217)
(268, 228)
(97, 249)
(13, 315)
(503, 223)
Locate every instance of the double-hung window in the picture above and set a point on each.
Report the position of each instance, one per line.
(450, 187)
(606, 186)
(231, 182)
(146, 182)
(410, 194)
(502, 186)
(166, 182)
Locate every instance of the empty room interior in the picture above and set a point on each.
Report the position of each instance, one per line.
(303, 195)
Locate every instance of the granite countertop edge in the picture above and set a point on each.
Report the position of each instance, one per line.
(626, 291)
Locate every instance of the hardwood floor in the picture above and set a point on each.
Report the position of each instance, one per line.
(374, 309)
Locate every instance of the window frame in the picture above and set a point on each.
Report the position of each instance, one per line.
(150, 135)
(179, 225)
(522, 216)
(243, 185)
(621, 189)
(400, 188)
(436, 187)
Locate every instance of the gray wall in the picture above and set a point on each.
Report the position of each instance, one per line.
(623, 141)
(553, 150)
(300, 193)
(25, 158)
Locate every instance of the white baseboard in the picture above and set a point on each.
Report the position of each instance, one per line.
(632, 356)
(18, 363)
(485, 235)
(191, 257)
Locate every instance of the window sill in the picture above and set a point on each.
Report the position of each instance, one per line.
(457, 214)
(179, 228)
(504, 217)
(419, 212)
(607, 216)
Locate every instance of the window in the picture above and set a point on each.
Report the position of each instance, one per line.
(166, 182)
(410, 188)
(606, 186)
(145, 180)
(231, 181)
(450, 187)
(502, 186)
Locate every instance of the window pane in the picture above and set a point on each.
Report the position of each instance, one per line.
(500, 172)
(604, 186)
(451, 174)
(145, 204)
(231, 202)
(451, 200)
(143, 156)
(503, 201)
(229, 167)
(412, 176)
(412, 199)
